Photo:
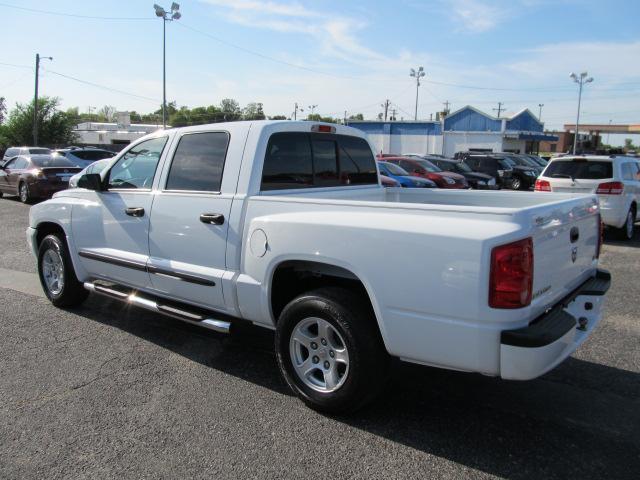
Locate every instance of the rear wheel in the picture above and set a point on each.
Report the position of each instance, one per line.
(58, 279)
(23, 192)
(628, 229)
(329, 350)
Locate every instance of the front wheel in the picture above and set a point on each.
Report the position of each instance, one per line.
(23, 192)
(58, 279)
(330, 351)
(628, 229)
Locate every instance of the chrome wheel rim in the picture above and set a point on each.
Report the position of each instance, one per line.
(53, 271)
(516, 184)
(319, 355)
(24, 194)
(630, 224)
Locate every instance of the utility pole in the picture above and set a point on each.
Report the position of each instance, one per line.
(417, 74)
(446, 107)
(35, 101)
(385, 105)
(580, 80)
(499, 109)
(608, 133)
(295, 111)
(393, 115)
(540, 105)
(345, 118)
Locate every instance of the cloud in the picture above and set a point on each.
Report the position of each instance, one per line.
(475, 16)
(336, 34)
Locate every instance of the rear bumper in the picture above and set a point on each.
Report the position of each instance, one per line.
(529, 352)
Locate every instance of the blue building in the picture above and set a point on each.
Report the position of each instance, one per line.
(463, 130)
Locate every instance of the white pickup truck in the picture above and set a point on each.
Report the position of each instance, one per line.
(285, 224)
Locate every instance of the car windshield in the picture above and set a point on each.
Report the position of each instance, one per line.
(51, 161)
(579, 169)
(428, 166)
(394, 169)
(506, 162)
(463, 167)
(520, 161)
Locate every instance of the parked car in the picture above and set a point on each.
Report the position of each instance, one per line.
(84, 157)
(616, 181)
(524, 161)
(539, 160)
(389, 182)
(95, 167)
(183, 214)
(477, 180)
(420, 167)
(397, 173)
(498, 168)
(35, 176)
(24, 151)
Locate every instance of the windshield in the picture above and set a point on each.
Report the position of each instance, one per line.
(50, 161)
(428, 166)
(463, 167)
(395, 169)
(579, 169)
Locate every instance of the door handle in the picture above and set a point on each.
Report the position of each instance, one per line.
(212, 218)
(135, 211)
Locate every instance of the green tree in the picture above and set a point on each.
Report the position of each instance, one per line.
(278, 117)
(107, 114)
(54, 126)
(253, 111)
(230, 109)
(359, 116)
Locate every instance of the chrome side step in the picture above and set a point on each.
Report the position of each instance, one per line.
(170, 309)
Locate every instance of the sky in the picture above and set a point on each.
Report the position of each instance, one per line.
(338, 55)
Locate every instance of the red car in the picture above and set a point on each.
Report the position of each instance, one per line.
(421, 167)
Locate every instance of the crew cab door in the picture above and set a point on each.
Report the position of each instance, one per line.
(190, 219)
(111, 227)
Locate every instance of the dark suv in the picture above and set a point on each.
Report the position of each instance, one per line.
(480, 181)
(495, 167)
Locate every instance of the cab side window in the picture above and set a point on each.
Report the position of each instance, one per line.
(199, 162)
(137, 167)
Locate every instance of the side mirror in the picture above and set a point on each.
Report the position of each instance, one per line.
(90, 181)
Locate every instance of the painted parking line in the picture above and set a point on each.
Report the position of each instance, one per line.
(23, 282)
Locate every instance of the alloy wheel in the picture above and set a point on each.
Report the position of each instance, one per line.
(53, 271)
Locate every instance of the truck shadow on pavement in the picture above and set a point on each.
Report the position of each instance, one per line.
(581, 420)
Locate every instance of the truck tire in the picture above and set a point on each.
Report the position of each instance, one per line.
(627, 231)
(58, 279)
(330, 351)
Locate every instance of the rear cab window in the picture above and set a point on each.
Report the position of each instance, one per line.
(307, 160)
(580, 169)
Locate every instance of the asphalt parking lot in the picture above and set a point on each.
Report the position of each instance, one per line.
(102, 391)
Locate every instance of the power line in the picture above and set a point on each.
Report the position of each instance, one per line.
(73, 15)
(103, 87)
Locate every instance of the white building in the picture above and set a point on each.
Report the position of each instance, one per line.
(121, 132)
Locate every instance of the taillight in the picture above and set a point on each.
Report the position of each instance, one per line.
(610, 188)
(323, 129)
(511, 277)
(543, 186)
(600, 236)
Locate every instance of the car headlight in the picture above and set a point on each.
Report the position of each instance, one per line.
(450, 181)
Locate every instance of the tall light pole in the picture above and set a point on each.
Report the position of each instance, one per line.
(580, 80)
(540, 105)
(312, 108)
(174, 14)
(35, 100)
(417, 74)
(297, 109)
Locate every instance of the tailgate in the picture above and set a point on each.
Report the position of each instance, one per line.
(565, 243)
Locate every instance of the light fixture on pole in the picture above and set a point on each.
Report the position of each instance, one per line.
(540, 105)
(580, 80)
(417, 74)
(35, 100)
(312, 108)
(174, 14)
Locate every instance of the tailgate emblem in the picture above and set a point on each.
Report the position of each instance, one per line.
(574, 254)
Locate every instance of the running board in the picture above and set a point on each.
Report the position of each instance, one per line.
(182, 312)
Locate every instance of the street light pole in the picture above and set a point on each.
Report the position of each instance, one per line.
(166, 16)
(417, 74)
(35, 101)
(580, 80)
(540, 105)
